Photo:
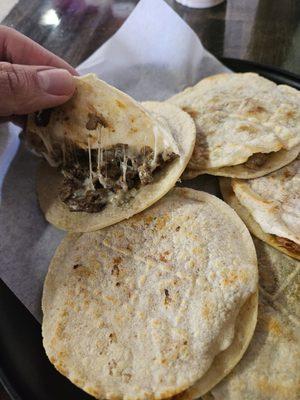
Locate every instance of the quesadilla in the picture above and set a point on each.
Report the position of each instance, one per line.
(247, 126)
(269, 206)
(270, 369)
(108, 157)
(141, 309)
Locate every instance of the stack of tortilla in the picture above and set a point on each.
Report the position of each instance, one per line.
(269, 206)
(270, 368)
(247, 126)
(153, 293)
(154, 305)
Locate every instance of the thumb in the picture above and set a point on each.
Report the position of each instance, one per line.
(25, 89)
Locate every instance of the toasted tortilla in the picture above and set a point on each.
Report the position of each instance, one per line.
(225, 361)
(274, 161)
(270, 369)
(254, 227)
(141, 309)
(274, 200)
(238, 116)
(98, 114)
(174, 120)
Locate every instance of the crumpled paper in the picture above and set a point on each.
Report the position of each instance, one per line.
(153, 56)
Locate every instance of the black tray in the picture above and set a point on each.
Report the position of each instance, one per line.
(25, 371)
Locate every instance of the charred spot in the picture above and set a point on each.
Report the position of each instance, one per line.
(177, 228)
(112, 337)
(163, 256)
(118, 284)
(115, 270)
(167, 297)
(94, 120)
(42, 118)
(117, 260)
(77, 266)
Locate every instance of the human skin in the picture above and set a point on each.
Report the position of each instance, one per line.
(31, 77)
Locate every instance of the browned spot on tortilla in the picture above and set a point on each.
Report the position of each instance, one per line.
(256, 110)
(231, 278)
(192, 113)
(167, 297)
(117, 260)
(148, 219)
(95, 119)
(120, 104)
(112, 366)
(112, 337)
(163, 256)
(115, 270)
(290, 114)
(288, 244)
(161, 221)
(288, 174)
(206, 310)
(247, 128)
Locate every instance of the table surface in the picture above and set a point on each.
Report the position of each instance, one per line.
(263, 31)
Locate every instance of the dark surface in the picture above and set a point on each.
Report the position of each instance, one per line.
(265, 31)
(24, 368)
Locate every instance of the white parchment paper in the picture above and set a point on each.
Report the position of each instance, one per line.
(152, 56)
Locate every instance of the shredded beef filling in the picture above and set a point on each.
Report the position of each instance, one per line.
(257, 160)
(119, 172)
(288, 244)
(91, 180)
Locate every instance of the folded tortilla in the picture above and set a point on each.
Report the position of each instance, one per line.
(270, 369)
(147, 307)
(269, 206)
(108, 157)
(247, 126)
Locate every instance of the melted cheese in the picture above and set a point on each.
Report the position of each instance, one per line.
(90, 182)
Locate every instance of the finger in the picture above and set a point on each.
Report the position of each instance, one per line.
(29, 88)
(19, 49)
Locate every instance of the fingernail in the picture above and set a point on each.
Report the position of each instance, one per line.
(58, 82)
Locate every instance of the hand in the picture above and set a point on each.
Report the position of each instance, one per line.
(31, 77)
